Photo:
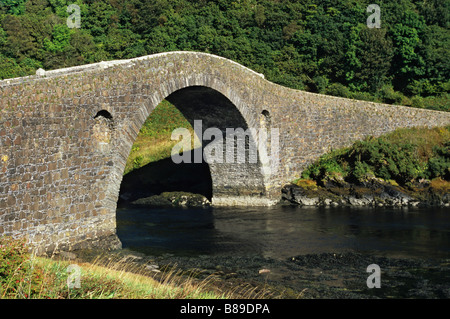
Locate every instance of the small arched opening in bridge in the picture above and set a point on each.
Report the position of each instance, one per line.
(103, 113)
(226, 177)
(103, 129)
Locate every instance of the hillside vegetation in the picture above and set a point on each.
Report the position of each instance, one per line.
(319, 46)
(154, 140)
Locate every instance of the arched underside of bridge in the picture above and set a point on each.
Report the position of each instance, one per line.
(232, 182)
(65, 137)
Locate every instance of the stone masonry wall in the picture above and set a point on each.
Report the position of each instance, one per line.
(65, 138)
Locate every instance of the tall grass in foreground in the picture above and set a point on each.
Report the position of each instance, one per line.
(116, 281)
(24, 276)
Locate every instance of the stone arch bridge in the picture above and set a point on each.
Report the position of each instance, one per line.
(65, 136)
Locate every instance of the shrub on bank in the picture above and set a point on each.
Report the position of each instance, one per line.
(402, 156)
(439, 165)
(18, 277)
(384, 159)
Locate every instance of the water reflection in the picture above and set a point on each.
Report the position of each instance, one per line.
(281, 232)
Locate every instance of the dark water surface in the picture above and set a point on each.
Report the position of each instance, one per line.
(282, 232)
(312, 253)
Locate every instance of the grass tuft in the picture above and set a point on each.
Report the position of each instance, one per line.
(25, 276)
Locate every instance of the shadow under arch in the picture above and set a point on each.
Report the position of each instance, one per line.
(165, 176)
(223, 183)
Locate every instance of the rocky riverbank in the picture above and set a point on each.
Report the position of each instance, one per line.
(173, 199)
(335, 192)
(373, 192)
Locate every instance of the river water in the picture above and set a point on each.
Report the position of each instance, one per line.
(279, 233)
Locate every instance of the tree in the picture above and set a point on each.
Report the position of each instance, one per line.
(435, 12)
(20, 43)
(84, 48)
(9, 68)
(60, 39)
(15, 7)
(259, 15)
(375, 54)
(408, 63)
(3, 37)
(435, 50)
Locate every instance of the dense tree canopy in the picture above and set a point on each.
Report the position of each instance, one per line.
(320, 46)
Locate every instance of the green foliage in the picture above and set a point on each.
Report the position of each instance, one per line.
(163, 120)
(375, 53)
(406, 36)
(361, 170)
(323, 46)
(9, 68)
(327, 165)
(402, 156)
(2, 37)
(396, 161)
(60, 39)
(137, 162)
(60, 6)
(387, 94)
(338, 89)
(438, 102)
(18, 278)
(15, 7)
(259, 15)
(439, 166)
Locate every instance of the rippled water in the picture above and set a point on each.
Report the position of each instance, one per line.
(281, 232)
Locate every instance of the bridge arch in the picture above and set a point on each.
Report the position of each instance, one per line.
(207, 108)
